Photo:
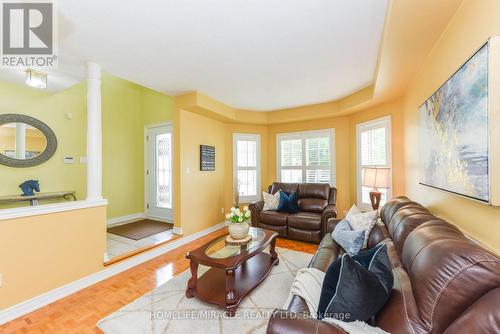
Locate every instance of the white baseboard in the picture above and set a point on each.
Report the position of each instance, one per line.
(160, 219)
(177, 230)
(134, 216)
(40, 301)
(125, 219)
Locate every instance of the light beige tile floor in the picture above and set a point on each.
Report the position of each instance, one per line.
(118, 245)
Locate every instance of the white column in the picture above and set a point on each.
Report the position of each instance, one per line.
(20, 141)
(94, 132)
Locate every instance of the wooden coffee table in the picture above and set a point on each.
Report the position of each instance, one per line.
(235, 270)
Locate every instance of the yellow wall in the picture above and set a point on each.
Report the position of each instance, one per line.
(472, 24)
(44, 252)
(345, 153)
(51, 109)
(202, 192)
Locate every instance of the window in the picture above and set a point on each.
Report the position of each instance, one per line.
(373, 150)
(306, 157)
(246, 170)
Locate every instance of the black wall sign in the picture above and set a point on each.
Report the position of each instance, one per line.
(207, 158)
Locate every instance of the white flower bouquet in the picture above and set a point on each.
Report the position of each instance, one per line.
(238, 216)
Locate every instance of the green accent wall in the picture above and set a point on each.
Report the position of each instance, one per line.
(51, 109)
(126, 109)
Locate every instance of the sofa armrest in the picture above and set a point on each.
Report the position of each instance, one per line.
(255, 208)
(285, 322)
(329, 212)
(331, 223)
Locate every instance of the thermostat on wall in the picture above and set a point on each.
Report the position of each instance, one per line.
(69, 160)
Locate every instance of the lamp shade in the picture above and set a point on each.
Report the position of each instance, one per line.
(375, 177)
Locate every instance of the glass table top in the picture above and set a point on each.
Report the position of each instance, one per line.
(219, 250)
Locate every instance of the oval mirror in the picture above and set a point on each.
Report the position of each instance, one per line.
(25, 141)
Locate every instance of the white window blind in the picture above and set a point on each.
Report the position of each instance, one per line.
(246, 171)
(306, 157)
(374, 150)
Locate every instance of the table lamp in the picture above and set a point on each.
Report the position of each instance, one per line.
(375, 178)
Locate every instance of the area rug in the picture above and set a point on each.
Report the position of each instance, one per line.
(167, 310)
(140, 229)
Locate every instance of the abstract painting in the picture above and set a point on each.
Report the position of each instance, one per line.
(454, 132)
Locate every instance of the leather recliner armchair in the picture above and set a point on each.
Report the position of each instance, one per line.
(316, 203)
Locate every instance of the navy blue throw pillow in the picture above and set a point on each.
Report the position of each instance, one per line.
(288, 203)
(352, 292)
(365, 256)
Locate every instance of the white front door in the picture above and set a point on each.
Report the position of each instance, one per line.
(159, 170)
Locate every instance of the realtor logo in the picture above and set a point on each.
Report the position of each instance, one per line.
(28, 34)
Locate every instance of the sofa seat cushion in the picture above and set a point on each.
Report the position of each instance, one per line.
(281, 230)
(328, 251)
(305, 221)
(273, 218)
(313, 236)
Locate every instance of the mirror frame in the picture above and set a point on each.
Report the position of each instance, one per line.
(47, 132)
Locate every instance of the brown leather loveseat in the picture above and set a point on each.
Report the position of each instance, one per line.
(443, 281)
(316, 203)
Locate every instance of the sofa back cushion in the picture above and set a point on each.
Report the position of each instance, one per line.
(481, 317)
(392, 206)
(314, 190)
(449, 273)
(405, 221)
(287, 188)
(313, 197)
(377, 234)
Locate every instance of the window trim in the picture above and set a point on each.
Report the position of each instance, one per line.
(254, 137)
(369, 125)
(302, 135)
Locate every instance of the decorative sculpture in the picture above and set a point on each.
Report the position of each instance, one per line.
(28, 186)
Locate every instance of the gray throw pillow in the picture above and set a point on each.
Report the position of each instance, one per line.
(350, 240)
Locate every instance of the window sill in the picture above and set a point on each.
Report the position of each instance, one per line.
(27, 211)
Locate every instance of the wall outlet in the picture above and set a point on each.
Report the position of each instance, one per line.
(1, 282)
(221, 210)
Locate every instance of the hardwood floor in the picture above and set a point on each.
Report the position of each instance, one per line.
(79, 313)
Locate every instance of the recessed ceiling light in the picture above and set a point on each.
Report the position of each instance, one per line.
(36, 79)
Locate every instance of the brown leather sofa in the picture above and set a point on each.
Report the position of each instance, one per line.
(443, 281)
(316, 203)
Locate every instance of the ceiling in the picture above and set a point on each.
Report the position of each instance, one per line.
(70, 71)
(258, 55)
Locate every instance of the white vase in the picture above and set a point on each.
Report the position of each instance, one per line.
(238, 230)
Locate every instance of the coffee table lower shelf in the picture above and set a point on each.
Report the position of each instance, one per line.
(227, 288)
